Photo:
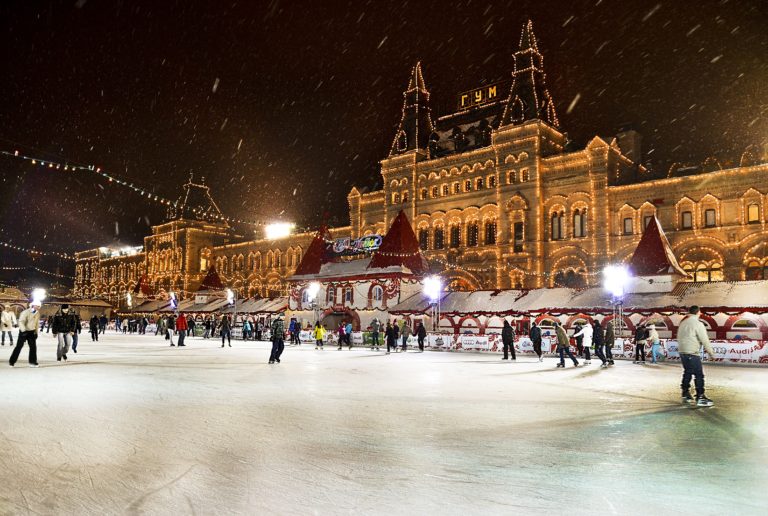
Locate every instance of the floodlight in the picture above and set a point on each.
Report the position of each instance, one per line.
(312, 290)
(615, 279)
(278, 230)
(433, 286)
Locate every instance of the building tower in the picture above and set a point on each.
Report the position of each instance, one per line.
(416, 121)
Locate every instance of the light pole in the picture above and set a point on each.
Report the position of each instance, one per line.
(312, 290)
(615, 280)
(433, 288)
(232, 300)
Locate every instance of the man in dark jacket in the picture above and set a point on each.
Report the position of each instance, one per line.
(599, 340)
(375, 327)
(93, 326)
(396, 330)
(63, 327)
(278, 333)
(103, 323)
(508, 339)
(78, 330)
(535, 335)
(390, 336)
(641, 337)
(421, 334)
(608, 341)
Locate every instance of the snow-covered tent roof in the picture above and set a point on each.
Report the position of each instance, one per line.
(351, 269)
(260, 306)
(400, 247)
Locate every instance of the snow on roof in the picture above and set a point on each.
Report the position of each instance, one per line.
(350, 268)
(260, 306)
(653, 254)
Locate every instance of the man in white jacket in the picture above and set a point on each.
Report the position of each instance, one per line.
(29, 323)
(7, 322)
(691, 336)
(586, 334)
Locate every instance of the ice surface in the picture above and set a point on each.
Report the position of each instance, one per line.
(132, 426)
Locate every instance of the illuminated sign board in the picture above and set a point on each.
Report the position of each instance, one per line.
(364, 244)
(483, 95)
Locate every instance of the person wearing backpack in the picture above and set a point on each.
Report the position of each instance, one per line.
(641, 337)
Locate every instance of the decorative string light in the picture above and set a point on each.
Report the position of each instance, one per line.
(35, 252)
(42, 271)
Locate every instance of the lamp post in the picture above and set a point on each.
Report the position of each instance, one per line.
(433, 288)
(312, 290)
(615, 280)
(232, 300)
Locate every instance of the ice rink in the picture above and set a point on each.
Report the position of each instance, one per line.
(132, 426)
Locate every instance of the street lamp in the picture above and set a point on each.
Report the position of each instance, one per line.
(232, 300)
(615, 280)
(312, 290)
(39, 295)
(129, 299)
(433, 288)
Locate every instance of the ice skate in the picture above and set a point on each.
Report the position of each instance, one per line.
(687, 398)
(703, 401)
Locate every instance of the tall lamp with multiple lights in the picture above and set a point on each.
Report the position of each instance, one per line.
(616, 278)
(433, 288)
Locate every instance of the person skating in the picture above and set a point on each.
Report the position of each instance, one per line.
(181, 328)
(641, 337)
(191, 326)
(655, 342)
(246, 329)
(535, 335)
(508, 340)
(278, 333)
(564, 345)
(340, 332)
(598, 337)
(406, 332)
(691, 336)
(375, 328)
(78, 331)
(318, 333)
(63, 328)
(226, 331)
(7, 322)
(29, 323)
(396, 330)
(421, 334)
(93, 327)
(103, 323)
(348, 334)
(390, 336)
(207, 327)
(610, 338)
(585, 336)
(170, 328)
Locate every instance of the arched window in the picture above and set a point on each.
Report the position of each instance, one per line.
(479, 183)
(405, 196)
(455, 236)
(349, 295)
(708, 272)
(438, 239)
(524, 175)
(423, 239)
(472, 234)
(490, 232)
(446, 189)
(468, 185)
(330, 296)
(435, 191)
(423, 194)
(512, 177)
(757, 271)
(710, 218)
(580, 223)
(556, 232)
(377, 294)
(456, 187)
(753, 213)
(396, 198)
(491, 181)
(686, 220)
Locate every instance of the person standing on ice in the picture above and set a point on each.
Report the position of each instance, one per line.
(78, 331)
(406, 332)
(318, 334)
(7, 322)
(181, 329)
(610, 338)
(207, 328)
(641, 337)
(421, 334)
(226, 331)
(691, 336)
(29, 322)
(348, 334)
(585, 333)
(390, 335)
(564, 345)
(63, 329)
(340, 332)
(93, 326)
(103, 323)
(278, 334)
(535, 335)
(375, 328)
(396, 330)
(508, 340)
(655, 342)
(599, 339)
(170, 327)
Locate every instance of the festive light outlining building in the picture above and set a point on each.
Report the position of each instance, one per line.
(497, 199)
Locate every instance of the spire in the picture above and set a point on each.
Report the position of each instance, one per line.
(400, 247)
(416, 122)
(212, 280)
(653, 254)
(529, 98)
(196, 202)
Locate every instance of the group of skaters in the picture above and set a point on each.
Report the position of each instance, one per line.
(395, 336)
(65, 327)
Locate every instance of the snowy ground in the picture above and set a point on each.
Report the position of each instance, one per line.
(131, 426)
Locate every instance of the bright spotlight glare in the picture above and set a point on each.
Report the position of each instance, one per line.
(312, 290)
(39, 295)
(230, 296)
(433, 286)
(615, 279)
(278, 230)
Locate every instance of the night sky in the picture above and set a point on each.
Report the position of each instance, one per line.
(284, 106)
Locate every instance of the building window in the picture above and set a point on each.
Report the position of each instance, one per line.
(468, 185)
(524, 175)
(348, 295)
(305, 297)
(395, 198)
(491, 181)
(378, 293)
(557, 226)
(438, 238)
(753, 213)
(580, 223)
(512, 177)
(423, 194)
(446, 190)
(405, 196)
(518, 237)
(423, 239)
(435, 191)
(709, 218)
(479, 183)
(627, 226)
(711, 272)
(755, 271)
(456, 188)
(331, 295)
(490, 232)
(686, 220)
(472, 234)
(455, 236)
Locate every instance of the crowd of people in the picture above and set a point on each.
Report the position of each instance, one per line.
(66, 326)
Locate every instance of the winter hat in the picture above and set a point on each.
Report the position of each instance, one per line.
(65, 307)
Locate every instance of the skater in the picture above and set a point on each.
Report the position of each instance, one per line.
(390, 336)
(226, 331)
(421, 334)
(406, 332)
(181, 329)
(564, 345)
(63, 329)
(207, 328)
(278, 332)
(375, 327)
(599, 339)
(78, 331)
(653, 339)
(191, 326)
(29, 322)
(103, 323)
(535, 335)
(691, 336)
(579, 340)
(170, 327)
(348, 334)
(585, 337)
(508, 340)
(318, 334)
(609, 340)
(7, 323)
(340, 332)
(93, 326)
(396, 330)
(246, 329)
(641, 337)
